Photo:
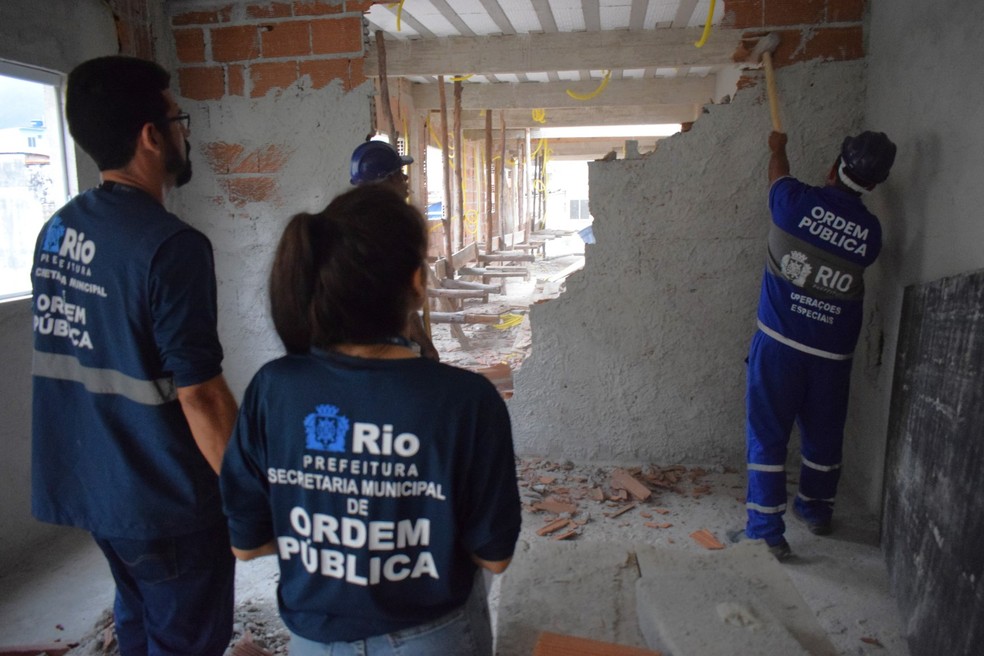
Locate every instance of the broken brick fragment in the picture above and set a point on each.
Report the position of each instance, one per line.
(553, 526)
(706, 539)
(621, 479)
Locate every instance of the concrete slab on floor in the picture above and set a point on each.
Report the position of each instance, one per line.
(738, 600)
(57, 594)
(586, 589)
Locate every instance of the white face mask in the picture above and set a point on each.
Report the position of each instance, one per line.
(848, 182)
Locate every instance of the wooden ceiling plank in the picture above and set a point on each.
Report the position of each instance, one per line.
(530, 95)
(562, 117)
(592, 15)
(545, 15)
(534, 53)
(498, 16)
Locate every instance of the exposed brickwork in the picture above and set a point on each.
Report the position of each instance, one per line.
(268, 46)
(202, 82)
(341, 35)
(236, 79)
(190, 44)
(133, 27)
(742, 14)
(828, 30)
(801, 12)
(274, 75)
(291, 39)
(839, 11)
(318, 8)
(324, 72)
(220, 15)
(236, 43)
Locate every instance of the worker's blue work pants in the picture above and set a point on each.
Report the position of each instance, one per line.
(787, 385)
(174, 596)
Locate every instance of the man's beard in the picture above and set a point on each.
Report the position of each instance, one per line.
(178, 166)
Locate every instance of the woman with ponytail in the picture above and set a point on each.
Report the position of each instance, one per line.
(383, 482)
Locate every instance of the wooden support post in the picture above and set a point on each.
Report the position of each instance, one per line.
(527, 185)
(501, 180)
(459, 156)
(489, 208)
(384, 86)
(445, 160)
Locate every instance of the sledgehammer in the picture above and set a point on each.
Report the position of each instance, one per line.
(763, 50)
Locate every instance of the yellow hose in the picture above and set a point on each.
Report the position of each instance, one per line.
(707, 27)
(589, 96)
(399, 13)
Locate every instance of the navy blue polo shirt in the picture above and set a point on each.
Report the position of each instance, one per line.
(124, 312)
(820, 242)
(376, 479)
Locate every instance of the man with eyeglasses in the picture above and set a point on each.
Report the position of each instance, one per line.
(376, 163)
(131, 411)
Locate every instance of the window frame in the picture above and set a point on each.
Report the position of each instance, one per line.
(65, 150)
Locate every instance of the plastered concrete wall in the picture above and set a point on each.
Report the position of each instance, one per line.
(642, 358)
(29, 36)
(924, 97)
(278, 101)
(923, 90)
(296, 144)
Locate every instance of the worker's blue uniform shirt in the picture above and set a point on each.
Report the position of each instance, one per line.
(376, 479)
(820, 242)
(124, 312)
(799, 366)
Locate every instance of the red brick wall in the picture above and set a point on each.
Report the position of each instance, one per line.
(830, 30)
(235, 49)
(133, 28)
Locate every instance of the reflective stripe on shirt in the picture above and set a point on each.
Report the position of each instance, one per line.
(104, 381)
(803, 347)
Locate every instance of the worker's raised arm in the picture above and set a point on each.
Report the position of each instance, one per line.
(778, 162)
(210, 410)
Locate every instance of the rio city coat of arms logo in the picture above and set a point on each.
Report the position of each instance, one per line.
(795, 268)
(325, 429)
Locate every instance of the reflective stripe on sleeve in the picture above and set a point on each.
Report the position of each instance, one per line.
(103, 381)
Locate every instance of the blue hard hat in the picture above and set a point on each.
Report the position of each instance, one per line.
(868, 157)
(373, 161)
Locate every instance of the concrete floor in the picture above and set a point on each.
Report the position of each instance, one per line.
(64, 588)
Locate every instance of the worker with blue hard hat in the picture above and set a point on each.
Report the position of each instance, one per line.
(809, 319)
(376, 162)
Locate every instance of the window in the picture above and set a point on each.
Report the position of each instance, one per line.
(579, 209)
(35, 172)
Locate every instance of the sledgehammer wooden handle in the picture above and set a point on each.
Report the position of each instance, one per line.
(770, 84)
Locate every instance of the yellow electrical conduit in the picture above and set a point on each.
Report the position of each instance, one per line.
(461, 78)
(508, 320)
(589, 96)
(399, 13)
(539, 115)
(707, 27)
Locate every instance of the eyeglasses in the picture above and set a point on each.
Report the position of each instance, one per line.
(183, 118)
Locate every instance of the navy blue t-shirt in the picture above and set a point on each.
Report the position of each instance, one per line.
(376, 479)
(124, 312)
(820, 242)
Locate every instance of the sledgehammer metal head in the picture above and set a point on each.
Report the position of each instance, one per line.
(767, 44)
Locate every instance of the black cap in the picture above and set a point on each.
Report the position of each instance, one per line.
(868, 157)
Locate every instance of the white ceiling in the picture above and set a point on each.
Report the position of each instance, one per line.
(584, 62)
